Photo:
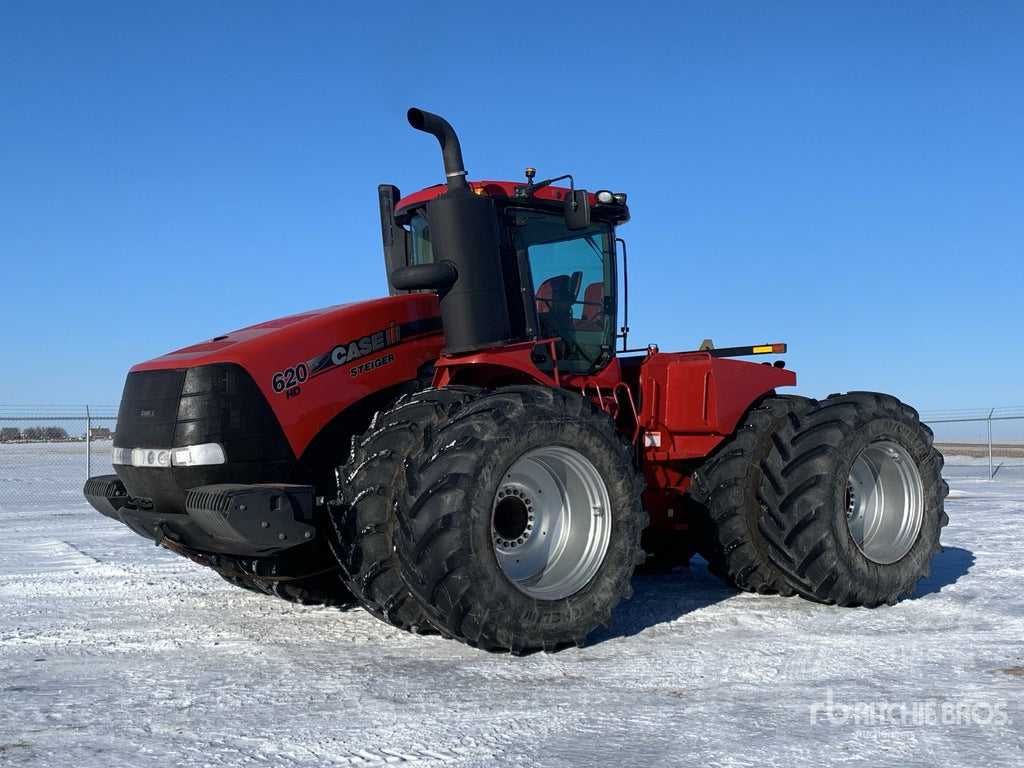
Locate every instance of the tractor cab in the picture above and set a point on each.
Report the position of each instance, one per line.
(560, 283)
(512, 264)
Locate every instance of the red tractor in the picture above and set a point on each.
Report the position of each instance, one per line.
(481, 455)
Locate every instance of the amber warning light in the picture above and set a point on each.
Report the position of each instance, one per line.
(760, 349)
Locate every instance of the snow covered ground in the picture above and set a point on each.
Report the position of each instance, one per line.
(115, 652)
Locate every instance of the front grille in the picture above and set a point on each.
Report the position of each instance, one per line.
(149, 408)
(217, 403)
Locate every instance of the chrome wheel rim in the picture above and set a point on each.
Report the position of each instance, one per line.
(550, 522)
(884, 502)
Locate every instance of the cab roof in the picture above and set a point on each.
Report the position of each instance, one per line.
(549, 197)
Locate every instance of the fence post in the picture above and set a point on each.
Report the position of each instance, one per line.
(990, 472)
(88, 443)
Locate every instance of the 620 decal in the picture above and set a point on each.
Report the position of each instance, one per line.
(290, 377)
(353, 354)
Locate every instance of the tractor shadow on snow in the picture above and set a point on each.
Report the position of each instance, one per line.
(947, 568)
(666, 597)
(661, 598)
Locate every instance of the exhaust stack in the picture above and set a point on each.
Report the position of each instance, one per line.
(451, 150)
(466, 272)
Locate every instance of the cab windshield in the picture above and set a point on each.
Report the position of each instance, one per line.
(573, 284)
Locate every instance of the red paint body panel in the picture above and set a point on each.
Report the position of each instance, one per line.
(378, 356)
(691, 400)
(492, 368)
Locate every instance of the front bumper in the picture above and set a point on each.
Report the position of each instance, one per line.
(240, 520)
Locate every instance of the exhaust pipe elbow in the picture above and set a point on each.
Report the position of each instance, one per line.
(451, 151)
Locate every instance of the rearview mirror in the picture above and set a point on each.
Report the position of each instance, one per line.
(577, 210)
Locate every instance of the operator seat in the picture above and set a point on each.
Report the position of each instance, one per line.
(555, 297)
(592, 316)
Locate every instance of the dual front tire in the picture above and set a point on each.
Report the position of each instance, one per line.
(370, 484)
(511, 520)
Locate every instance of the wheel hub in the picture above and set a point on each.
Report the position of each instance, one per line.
(513, 518)
(884, 502)
(548, 523)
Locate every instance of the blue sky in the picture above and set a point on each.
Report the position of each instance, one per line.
(847, 177)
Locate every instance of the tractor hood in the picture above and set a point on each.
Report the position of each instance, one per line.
(293, 330)
(310, 366)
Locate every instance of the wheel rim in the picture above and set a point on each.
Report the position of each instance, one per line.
(550, 522)
(884, 502)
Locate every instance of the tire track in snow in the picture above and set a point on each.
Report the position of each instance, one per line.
(44, 556)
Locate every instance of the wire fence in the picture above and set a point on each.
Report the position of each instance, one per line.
(47, 453)
(988, 433)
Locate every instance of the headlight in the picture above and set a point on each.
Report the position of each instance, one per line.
(186, 456)
(198, 455)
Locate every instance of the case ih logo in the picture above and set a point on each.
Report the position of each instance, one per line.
(357, 348)
(361, 354)
(355, 351)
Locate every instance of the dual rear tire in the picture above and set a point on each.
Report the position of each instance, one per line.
(840, 501)
(728, 488)
(854, 501)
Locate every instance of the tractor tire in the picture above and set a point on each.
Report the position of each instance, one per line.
(854, 501)
(363, 517)
(521, 520)
(262, 575)
(252, 585)
(727, 487)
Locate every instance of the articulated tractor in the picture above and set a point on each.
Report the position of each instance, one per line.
(480, 454)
